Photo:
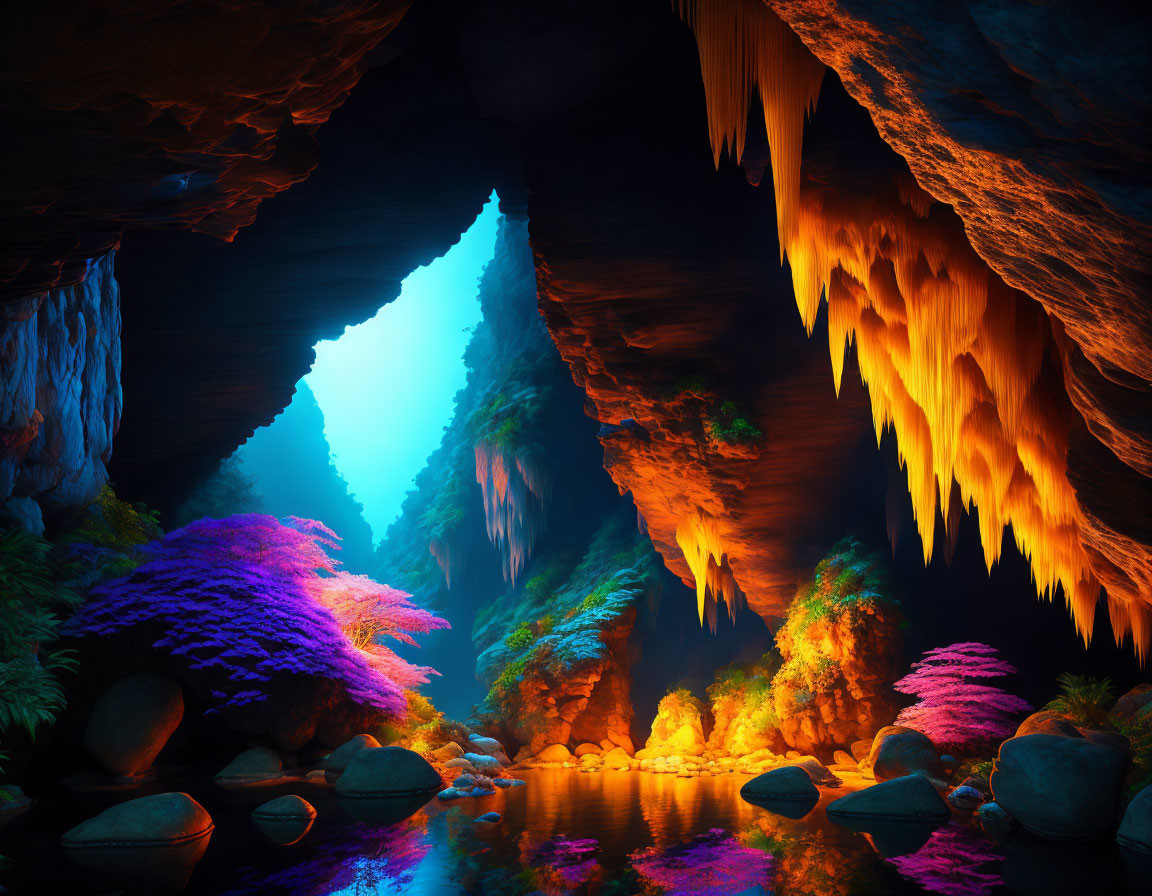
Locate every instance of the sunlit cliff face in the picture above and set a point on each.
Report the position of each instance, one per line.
(966, 370)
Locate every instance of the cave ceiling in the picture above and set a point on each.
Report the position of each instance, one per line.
(272, 172)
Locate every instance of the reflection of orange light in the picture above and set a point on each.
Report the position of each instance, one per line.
(958, 363)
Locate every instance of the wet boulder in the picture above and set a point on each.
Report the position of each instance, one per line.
(964, 797)
(335, 764)
(252, 768)
(154, 841)
(1059, 787)
(909, 798)
(554, 753)
(994, 821)
(387, 772)
(897, 752)
(132, 721)
(284, 820)
(816, 770)
(488, 746)
(1136, 828)
(488, 765)
(789, 782)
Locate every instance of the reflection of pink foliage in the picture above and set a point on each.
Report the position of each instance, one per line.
(574, 861)
(953, 708)
(712, 864)
(249, 600)
(949, 863)
(360, 857)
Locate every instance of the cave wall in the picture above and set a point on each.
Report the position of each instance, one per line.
(60, 397)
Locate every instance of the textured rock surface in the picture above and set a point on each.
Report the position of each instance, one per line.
(1059, 787)
(156, 840)
(60, 397)
(897, 752)
(1047, 722)
(911, 798)
(132, 721)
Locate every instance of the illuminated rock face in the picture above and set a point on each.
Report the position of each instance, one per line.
(60, 395)
(969, 372)
(177, 115)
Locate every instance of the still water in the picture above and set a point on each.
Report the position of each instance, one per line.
(611, 834)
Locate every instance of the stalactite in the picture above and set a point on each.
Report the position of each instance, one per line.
(959, 364)
(699, 537)
(517, 488)
(451, 554)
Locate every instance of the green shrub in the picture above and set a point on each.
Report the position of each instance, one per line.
(1085, 700)
(731, 427)
(521, 638)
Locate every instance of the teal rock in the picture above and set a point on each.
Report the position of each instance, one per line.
(1136, 829)
(284, 820)
(388, 772)
(791, 782)
(909, 798)
(337, 762)
(155, 840)
(898, 751)
(256, 766)
(487, 818)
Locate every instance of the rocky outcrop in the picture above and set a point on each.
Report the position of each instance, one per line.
(60, 396)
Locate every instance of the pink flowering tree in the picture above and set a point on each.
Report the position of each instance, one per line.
(248, 605)
(958, 707)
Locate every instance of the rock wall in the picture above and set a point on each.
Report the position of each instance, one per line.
(60, 397)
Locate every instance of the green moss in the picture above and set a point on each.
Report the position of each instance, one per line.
(521, 638)
(731, 427)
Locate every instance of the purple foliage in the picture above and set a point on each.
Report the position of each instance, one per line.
(954, 707)
(236, 601)
(949, 863)
(712, 864)
(574, 861)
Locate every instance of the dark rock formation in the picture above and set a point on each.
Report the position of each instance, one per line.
(60, 395)
(387, 772)
(132, 721)
(284, 820)
(897, 752)
(788, 783)
(1136, 828)
(911, 798)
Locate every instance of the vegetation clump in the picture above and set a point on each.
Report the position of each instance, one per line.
(1084, 700)
(731, 427)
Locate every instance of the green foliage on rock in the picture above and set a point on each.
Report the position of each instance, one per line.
(731, 427)
(1084, 700)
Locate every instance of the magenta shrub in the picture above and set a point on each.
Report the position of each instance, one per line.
(956, 707)
(248, 600)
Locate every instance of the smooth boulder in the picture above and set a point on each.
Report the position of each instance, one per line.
(450, 750)
(816, 770)
(387, 772)
(338, 760)
(155, 840)
(488, 746)
(1047, 722)
(1128, 706)
(132, 721)
(284, 820)
(898, 751)
(1136, 829)
(908, 798)
(790, 782)
(965, 797)
(258, 766)
(1063, 788)
(554, 753)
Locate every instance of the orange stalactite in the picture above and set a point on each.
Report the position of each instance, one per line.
(700, 539)
(964, 368)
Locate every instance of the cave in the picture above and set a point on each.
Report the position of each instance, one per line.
(595, 448)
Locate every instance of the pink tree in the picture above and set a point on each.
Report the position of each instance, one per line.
(956, 708)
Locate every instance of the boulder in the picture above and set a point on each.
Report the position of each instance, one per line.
(284, 820)
(860, 749)
(617, 757)
(387, 772)
(488, 746)
(554, 753)
(487, 818)
(897, 752)
(995, 822)
(132, 721)
(908, 798)
(488, 765)
(839, 757)
(1060, 787)
(965, 797)
(789, 782)
(450, 750)
(1136, 829)
(1132, 702)
(155, 840)
(586, 749)
(256, 767)
(815, 770)
(335, 764)
(1108, 739)
(461, 763)
(1047, 722)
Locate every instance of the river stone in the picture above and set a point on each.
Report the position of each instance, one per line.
(1059, 787)
(554, 753)
(450, 750)
(155, 840)
(897, 752)
(995, 822)
(1047, 722)
(789, 782)
(816, 770)
(335, 764)
(285, 819)
(488, 746)
(1136, 828)
(964, 797)
(860, 749)
(388, 772)
(587, 750)
(908, 798)
(839, 757)
(132, 721)
(488, 765)
(257, 766)
(488, 818)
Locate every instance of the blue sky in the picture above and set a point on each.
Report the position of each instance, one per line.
(386, 385)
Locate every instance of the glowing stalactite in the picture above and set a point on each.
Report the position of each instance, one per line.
(451, 554)
(517, 488)
(699, 537)
(963, 368)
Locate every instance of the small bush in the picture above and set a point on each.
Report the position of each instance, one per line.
(521, 638)
(1083, 699)
(731, 427)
